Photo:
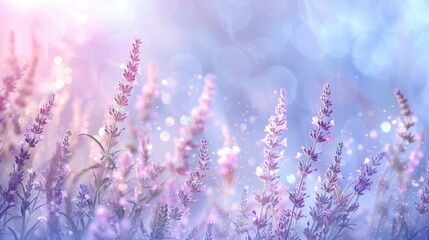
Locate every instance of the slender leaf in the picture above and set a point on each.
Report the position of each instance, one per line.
(404, 223)
(192, 234)
(38, 207)
(70, 221)
(103, 182)
(15, 236)
(5, 210)
(31, 229)
(418, 232)
(111, 162)
(95, 140)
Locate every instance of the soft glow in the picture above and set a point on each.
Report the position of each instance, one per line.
(59, 84)
(164, 136)
(30, 4)
(58, 60)
(166, 98)
(385, 127)
(291, 179)
(185, 120)
(373, 134)
(169, 121)
(101, 131)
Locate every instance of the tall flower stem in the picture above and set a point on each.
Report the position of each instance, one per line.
(22, 156)
(277, 124)
(300, 188)
(320, 134)
(324, 201)
(112, 130)
(395, 163)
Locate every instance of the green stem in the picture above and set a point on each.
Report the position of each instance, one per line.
(97, 198)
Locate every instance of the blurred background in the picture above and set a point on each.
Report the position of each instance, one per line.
(364, 49)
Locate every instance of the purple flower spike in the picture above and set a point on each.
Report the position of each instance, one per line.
(195, 184)
(364, 179)
(123, 92)
(267, 172)
(407, 121)
(320, 134)
(179, 161)
(423, 193)
(22, 156)
(82, 201)
(61, 173)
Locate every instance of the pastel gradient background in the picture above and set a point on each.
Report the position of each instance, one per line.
(365, 49)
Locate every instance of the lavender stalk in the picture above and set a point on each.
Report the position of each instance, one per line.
(347, 204)
(179, 161)
(55, 192)
(267, 171)
(396, 167)
(112, 130)
(321, 213)
(31, 139)
(320, 134)
(194, 184)
(421, 206)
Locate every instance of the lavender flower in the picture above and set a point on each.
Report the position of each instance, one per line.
(123, 92)
(179, 161)
(341, 213)
(54, 185)
(240, 223)
(27, 87)
(192, 234)
(63, 168)
(321, 213)
(31, 139)
(404, 166)
(413, 162)
(52, 198)
(26, 201)
(102, 227)
(12, 60)
(334, 170)
(209, 232)
(267, 171)
(320, 134)
(159, 231)
(9, 82)
(82, 205)
(148, 94)
(399, 167)
(147, 175)
(112, 130)
(282, 224)
(51, 176)
(422, 209)
(28, 206)
(117, 199)
(364, 178)
(194, 184)
(227, 160)
(407, 120)
(423, 193)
